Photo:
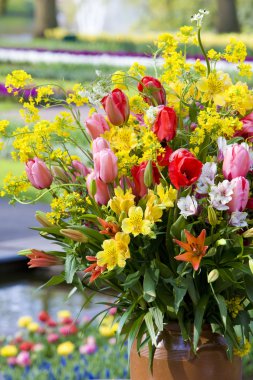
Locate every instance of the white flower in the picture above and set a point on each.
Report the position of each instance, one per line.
(151, 114)
(206, 178)
(199, 16)
(222, 146)
(221, 194)
(188, 206)
(238, 219)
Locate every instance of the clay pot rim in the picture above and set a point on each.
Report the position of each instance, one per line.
(174, 326)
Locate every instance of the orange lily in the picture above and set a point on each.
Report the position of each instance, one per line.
(110, 228)
(94, 268)
(195, 248)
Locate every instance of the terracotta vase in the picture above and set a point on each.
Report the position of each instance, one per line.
(174, 359)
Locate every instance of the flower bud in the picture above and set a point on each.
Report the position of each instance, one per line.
(116, 106)
(236, 162)
(60, 174)
(80, 169)
(153, 92)
(213, 276)
(105, 165)
(247, 129)
(97, 189)
(42, 219)
(212, 218)
(240, 194)
(96, 125)
(165, 125)
(38, 173)
(148, 174)
(99, 144)
(248, 233)
(137, 171)
(74, 235)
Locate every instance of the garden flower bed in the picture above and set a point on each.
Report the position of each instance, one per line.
(63, 349)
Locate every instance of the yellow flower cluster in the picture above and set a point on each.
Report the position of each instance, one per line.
(119, 80)
(43, 94)
(29, 112)
(235, 51)
(69, 204)
(212, 124)
(15, 185)
(27, 322)
(239, 98)
(3, 125)
(65, 348)
(213, 55)
(234, 306)
(245, 70)
(108, 327)
(18, 79)
(187, 35)
(244, 350)
(9, 351)
(137, 70)
(76, 97)
(137, 104)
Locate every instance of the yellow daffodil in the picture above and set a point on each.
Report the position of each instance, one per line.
(135, 224)
(62, 314)
(33, 327)
(108, 328)
(115, 252)
(65, 349)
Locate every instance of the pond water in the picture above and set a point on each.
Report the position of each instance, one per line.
(19, 295)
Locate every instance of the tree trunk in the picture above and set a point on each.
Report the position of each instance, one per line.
(227, 21)
(3, 7)
(45, 16)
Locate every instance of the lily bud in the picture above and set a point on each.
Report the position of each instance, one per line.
(248, 233)
(74, 235)
(42, 219)
(148, 174)
(213, 276)
(212, 218)
(60, 174)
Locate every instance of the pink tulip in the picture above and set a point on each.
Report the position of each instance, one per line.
(105, 165)
(80, 169)
(88, 349)
(96, 125)
(99, 144)
(236, 162)
(23, 359)
(116, 106)
(102, 194)
(247, 130)
(240, 194)
(52, 338)
(113, 311)
(38, 173)
(68, 330)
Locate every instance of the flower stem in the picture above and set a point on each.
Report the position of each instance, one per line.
(204, 53)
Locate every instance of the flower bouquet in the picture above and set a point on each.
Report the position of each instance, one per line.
(151, 194)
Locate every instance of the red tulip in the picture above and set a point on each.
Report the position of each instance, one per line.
(137, 172)
(247, 130)
(43, 316)
(116, 106)
(105, 165)
(240, 194)
(153, 92)
(96, 125)
(184, 168)
(236, 162)
(165, 125)
(38, 173)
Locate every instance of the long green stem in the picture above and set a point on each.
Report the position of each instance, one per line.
(204, 53)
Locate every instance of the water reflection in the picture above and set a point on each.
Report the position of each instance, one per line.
(19, 295)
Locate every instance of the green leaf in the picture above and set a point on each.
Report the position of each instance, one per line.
(125, 316)
(150, 326)
(134, 332)
(183, 328)
(248, 280)
(55, 280)
(198, 320)
(251, 265)
(49, 230)
(149, 285)
(223, 309)
(157, 316)
(131, 279)
(177, 227)
(179, 294)
(71, 266)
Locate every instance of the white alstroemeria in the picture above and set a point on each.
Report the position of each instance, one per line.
(206, 179)
(221, 194)
(238, 219)
(188, 206)
(222, 146)
(151, 114)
